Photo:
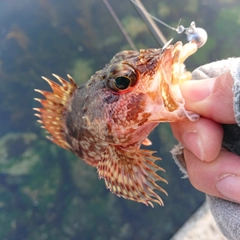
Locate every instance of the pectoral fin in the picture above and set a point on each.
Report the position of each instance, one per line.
(131, 174)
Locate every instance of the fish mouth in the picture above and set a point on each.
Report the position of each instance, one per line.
(171, 73)
(170, 85)
(175, 73)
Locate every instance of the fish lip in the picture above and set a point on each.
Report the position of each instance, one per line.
(187, 50)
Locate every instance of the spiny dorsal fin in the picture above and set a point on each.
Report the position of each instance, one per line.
(131, 174)
(52, 115)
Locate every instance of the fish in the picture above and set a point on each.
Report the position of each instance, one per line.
(107, 120)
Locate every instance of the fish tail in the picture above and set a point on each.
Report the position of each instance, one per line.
(54, 107)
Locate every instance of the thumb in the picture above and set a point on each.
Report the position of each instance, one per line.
(211, 98)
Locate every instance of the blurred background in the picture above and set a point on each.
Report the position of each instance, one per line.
(47, 193)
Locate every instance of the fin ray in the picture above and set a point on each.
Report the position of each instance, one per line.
(54, 107)
(131, 174)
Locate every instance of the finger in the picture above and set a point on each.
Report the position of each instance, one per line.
(220, 178)
(203, 137)
(211, 98)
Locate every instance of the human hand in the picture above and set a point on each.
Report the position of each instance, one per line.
(210, 168)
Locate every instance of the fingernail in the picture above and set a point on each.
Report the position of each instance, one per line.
(194, 144)
(229, 187)
(196, 90)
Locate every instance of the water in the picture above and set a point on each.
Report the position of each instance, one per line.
(47, 193)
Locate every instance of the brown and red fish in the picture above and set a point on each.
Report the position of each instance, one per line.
(105, 121)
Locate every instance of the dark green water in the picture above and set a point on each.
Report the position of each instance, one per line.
(47, 193)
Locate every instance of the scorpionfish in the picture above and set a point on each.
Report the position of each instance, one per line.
(105, 121)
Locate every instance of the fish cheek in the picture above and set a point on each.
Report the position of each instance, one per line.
(136, 109)
(112, 98)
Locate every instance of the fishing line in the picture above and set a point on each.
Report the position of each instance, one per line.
(124, 32)
(199, 35)
(154, 18)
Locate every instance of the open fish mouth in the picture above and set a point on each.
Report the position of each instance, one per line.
(170, 74)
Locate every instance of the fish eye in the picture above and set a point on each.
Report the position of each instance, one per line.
(122, 80)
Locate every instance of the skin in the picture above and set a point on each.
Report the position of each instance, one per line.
(210, 168)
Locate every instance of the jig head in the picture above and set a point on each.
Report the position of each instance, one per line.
(194, 34)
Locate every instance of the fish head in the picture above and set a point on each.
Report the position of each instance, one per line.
(134, 92)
